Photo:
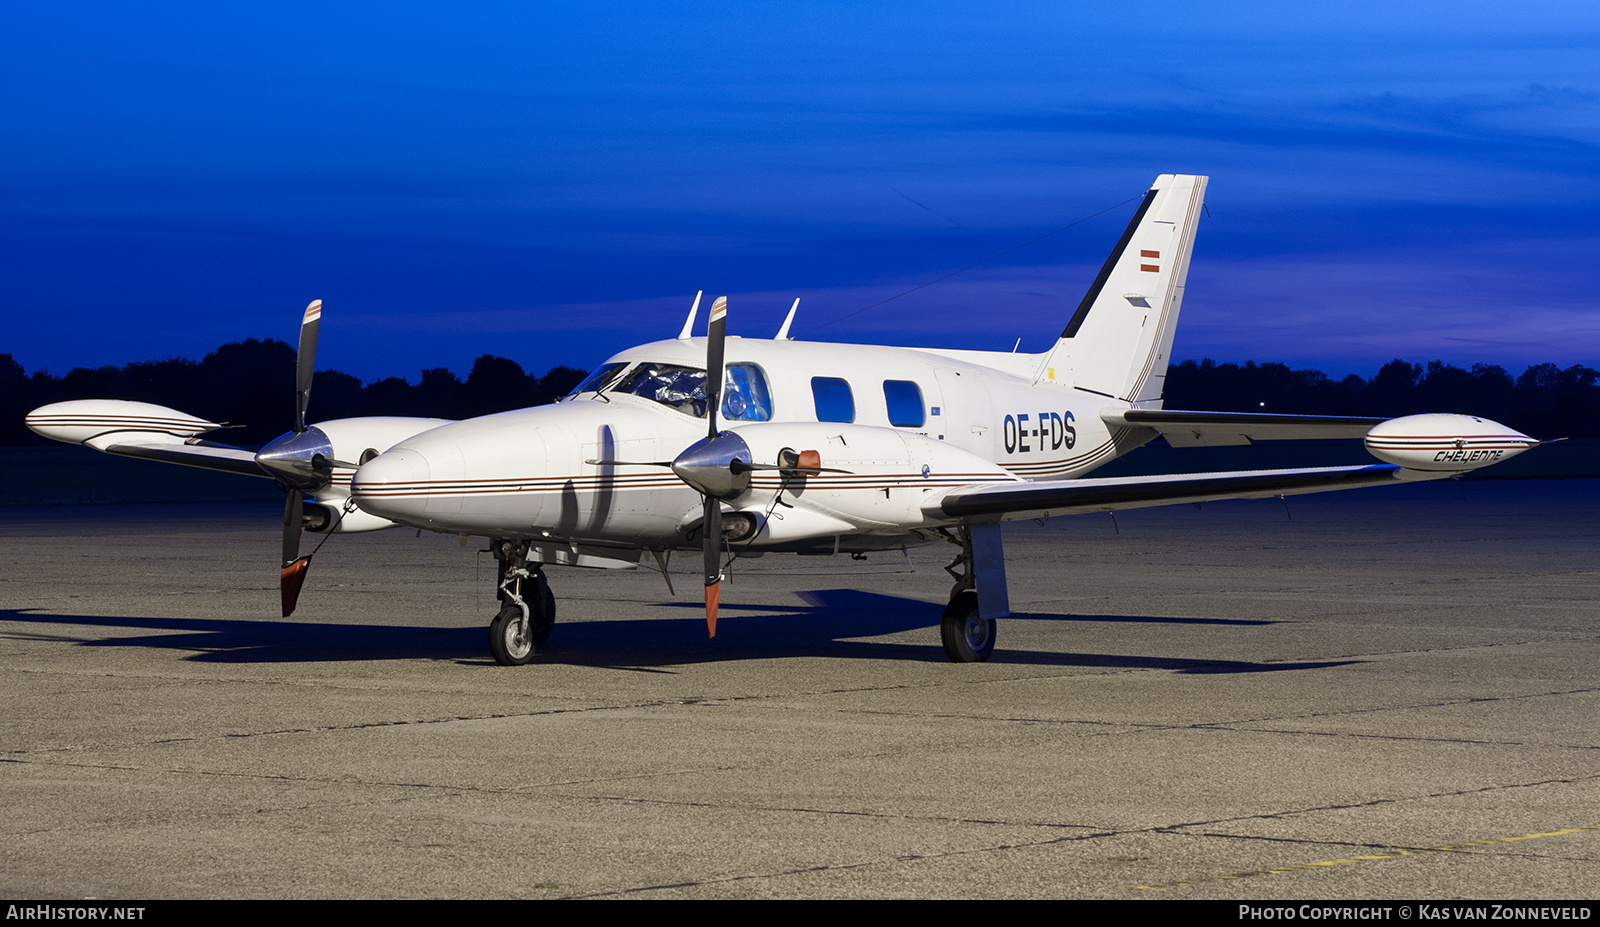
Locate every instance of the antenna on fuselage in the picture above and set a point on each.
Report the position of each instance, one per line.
(688, 324)
(783, 333)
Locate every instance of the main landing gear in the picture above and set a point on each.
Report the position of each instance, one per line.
(529, 612)
(978, 597)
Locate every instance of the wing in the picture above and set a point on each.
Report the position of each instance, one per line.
(151, 432)
(1012, 501)
(143, 430)
(208, 455)
(1213, 429)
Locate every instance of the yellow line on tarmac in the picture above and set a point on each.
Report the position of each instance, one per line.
(1395, 854)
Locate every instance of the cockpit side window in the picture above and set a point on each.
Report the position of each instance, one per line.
(683, 388)
(745, 397)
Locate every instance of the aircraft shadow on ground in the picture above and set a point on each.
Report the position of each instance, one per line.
(830, 623)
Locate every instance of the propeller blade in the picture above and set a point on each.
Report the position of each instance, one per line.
(294, 566)
(293, 577)
(286, 458)
(711, 543)
(293, 510)
(306, 362)
(716, 336)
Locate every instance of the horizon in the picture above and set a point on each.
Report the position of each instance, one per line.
(1514, 370)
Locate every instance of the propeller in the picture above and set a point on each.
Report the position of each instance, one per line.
(303, 459)
(719, 465)
(711, 532)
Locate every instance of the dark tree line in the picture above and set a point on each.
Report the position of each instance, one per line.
(1545, 401)
(251, 384)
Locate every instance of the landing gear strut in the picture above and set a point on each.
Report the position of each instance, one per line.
(529, 612)
(978, 597)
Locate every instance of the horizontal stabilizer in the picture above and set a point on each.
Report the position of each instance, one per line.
(1220, 429)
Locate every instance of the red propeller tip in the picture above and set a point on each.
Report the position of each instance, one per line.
(292, 577)
(712, 591)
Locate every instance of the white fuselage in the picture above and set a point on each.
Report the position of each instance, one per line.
(975, 417)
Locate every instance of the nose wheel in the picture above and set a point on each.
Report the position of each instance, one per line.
(512, 641)
(529, 613)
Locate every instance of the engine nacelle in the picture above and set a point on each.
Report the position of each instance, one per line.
(359, 439)
(320, 517)
(862, 479)
(1440, 441)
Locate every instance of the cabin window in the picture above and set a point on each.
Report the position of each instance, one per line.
(745, 397)
(904, 400)
(835, 403)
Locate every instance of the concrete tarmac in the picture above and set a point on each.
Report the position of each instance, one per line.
(1387, 693)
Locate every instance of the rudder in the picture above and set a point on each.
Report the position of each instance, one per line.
(1119, 341)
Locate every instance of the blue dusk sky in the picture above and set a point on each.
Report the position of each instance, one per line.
(552, 182)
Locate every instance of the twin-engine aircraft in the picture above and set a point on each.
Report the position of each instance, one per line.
(732, 446)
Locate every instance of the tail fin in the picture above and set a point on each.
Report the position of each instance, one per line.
(1119, 341)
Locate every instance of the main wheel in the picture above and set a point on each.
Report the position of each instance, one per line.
(968, 636)
(509, 645)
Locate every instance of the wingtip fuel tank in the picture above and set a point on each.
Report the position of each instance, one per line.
(1441, 441)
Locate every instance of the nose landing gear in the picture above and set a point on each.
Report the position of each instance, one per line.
(529, 613)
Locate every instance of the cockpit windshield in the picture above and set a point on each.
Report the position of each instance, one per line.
(598, 380)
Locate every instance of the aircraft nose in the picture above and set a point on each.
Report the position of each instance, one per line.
(393, 485)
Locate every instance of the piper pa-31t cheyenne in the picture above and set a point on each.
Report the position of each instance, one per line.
(730, 445)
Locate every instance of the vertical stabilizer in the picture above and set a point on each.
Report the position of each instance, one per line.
(1119, 341)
